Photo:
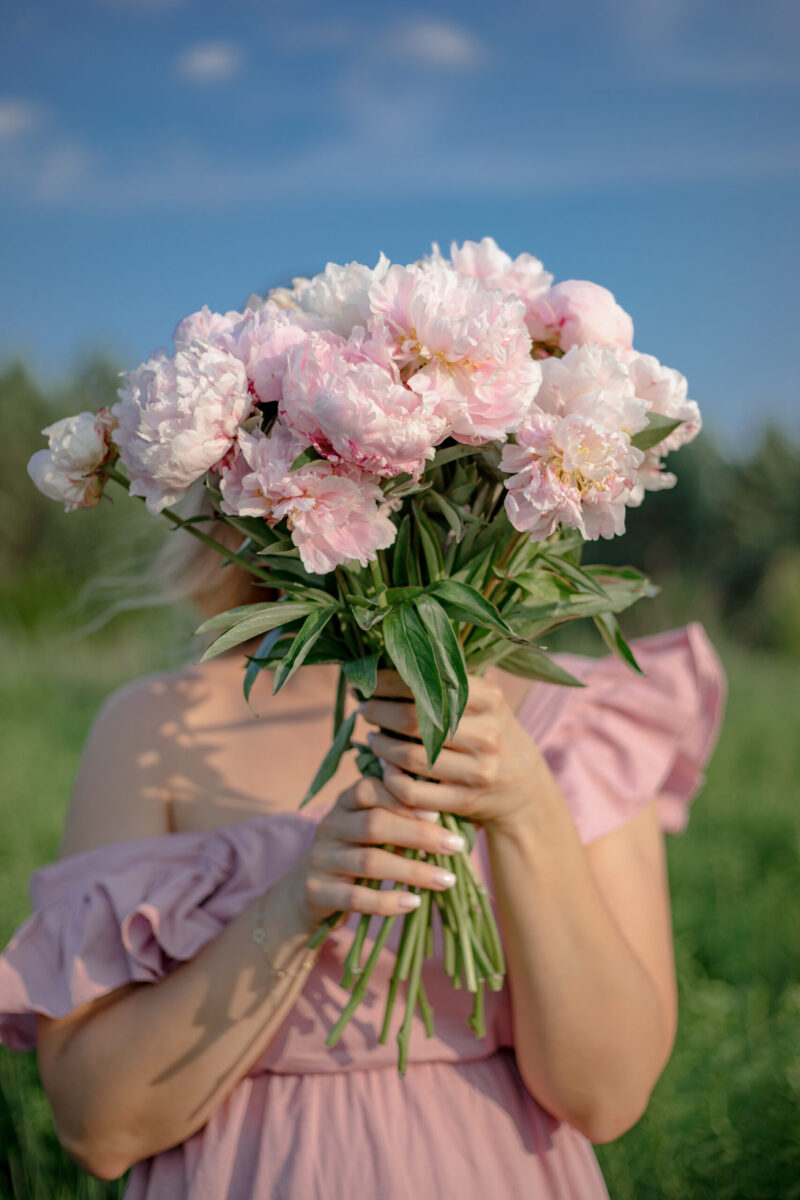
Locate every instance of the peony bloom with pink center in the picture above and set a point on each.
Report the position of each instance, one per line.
(67, 470)
(262, 340)
(204, 324)
(464, 349)
(523, 276)
(178, 417)
(347, 399)
(340, 295)
(576, 312)
(335, 514)
(573, 463)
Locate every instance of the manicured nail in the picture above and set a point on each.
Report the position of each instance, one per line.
(408, 900)
(443, 879)
(371, 737)
(452, 841)
(426, 814)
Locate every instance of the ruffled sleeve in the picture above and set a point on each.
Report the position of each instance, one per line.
(624, 738)
(131, 911)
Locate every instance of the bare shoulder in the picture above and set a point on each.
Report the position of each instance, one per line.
(119, 791)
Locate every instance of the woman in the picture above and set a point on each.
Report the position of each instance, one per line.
(173, 1040)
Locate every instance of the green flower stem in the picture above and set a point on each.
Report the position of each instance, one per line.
(406, 933)
(324, 928)
(426, 1011)
(477, 1019)
(360, 988)
(415, 978)
(190, 527)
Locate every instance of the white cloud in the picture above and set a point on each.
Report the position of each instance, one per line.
(61, 169)
(18, 118)
(208, 62)
(434, 43)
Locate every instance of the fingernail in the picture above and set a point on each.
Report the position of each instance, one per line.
(426, 814)
(452, 841)
(443, 879)
(408, 900)
(371, 737)
(384, 765)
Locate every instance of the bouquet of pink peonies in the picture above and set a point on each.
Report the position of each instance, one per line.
(413, 456)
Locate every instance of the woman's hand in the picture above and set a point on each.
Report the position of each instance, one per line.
(348, 845)
(489, 771)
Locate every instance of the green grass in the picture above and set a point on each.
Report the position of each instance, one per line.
(723, 1119)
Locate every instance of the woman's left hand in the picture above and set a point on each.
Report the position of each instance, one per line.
(489, 771)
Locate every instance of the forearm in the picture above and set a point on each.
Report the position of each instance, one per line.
(146, 1072)
(590, 1034)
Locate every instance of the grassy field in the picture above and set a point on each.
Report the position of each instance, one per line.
(724, 1119)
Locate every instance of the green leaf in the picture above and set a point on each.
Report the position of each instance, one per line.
(268, 616)
(367, 762)
(567, 570)
(449, 656)
(314, 595)
(411, 652)
(432, 551)
(531, 663)
(363, 674)
(409, 487)
(467, 604)
(450, 454)
(255, 528)
(658, 427)
(452, 515)
(225, 619)
(330, 763)
(612, 636)
(367, 612)
(304, 639)
(255, 665)
(304, 458)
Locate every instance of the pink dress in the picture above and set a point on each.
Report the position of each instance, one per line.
(312, 1123)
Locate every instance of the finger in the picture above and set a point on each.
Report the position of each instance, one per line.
(390, 684)
(451, 766)
(374, 862)
(424, 798)
(382, 827)
(369, 792)
(397, 715)
(329, 895)
(484, 695)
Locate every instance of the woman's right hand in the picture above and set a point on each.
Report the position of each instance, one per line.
(348, 845)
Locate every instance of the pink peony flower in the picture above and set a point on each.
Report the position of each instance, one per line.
(464, 349)
(67, 470)
(664, 389)
(204, 324)
(576, 312)
(178, 417)
(335, 514)
(523, 276)
(340, 295)
(262, 340)
(348, 400)
(574, 463)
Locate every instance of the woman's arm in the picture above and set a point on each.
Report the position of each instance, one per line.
(594, 1020)
(141, 1069)
(587, 929)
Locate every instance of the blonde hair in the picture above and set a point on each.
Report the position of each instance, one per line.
(186, 569)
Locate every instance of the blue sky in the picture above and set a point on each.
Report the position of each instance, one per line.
(156, 155)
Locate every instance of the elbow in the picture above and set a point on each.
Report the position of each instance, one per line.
(608, 1119)
(100, 1161)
